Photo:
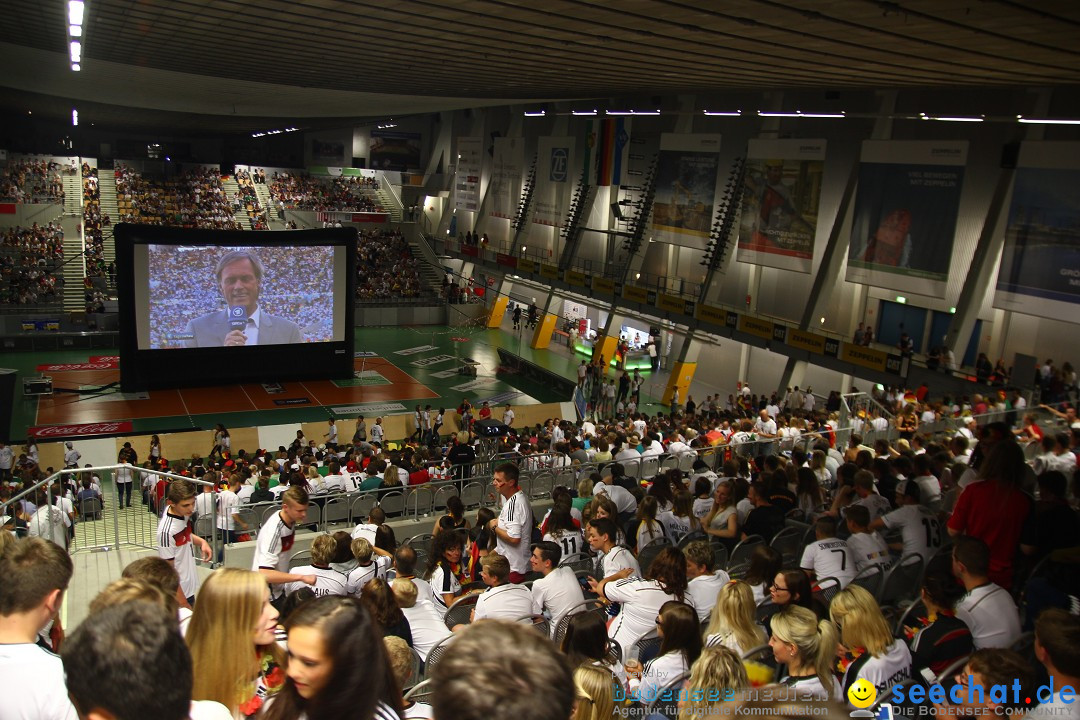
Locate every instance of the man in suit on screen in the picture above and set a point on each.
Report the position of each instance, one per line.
(239, 275)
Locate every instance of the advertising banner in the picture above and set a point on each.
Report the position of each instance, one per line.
(905, 214)
(554, 178)
(780, 203)
(470, 164)
(1040, 263)
(505, 189)
(687, 176)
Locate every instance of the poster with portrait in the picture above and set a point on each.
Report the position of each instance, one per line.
(554, 180)
(508, 162)
(687, 176)
(470, 163)
(780, 203)
(905, 214)
(1040, 262)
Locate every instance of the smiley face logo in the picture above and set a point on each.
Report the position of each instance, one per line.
(862, 694)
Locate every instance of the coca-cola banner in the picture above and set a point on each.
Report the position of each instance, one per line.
(80, 430)
(110, 363)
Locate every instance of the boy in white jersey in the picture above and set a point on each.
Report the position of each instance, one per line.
(175, 538)
(828, 556)
(919, 528)
(273, 549)
(369, 566)
(867, 548)
(327, 580)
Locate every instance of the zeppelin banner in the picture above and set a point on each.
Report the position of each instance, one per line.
(905, 214)
(686, 181)
(554, 160)
(505, 190)
(1040, 263)
(780, 203)
(470, 163)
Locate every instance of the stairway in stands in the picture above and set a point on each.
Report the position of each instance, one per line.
(231, 187)
(74, 267)
(107, 192)
(72, 195)
(262, 191)
(431, 273)
(387, 201)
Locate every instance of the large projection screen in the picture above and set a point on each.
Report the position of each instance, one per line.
(209, 307)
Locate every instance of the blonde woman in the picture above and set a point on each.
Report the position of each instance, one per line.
(595, 698)
(723, 519)
(733, 622)
(808, 647)
(876, 656)
(232, 640)
(716, 668)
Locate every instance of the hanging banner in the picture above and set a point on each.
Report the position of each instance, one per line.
(687, 176)
(612, 150)
(505, 190)
(554, 179)
(780, 203)
(905, 214)
(392, 150)
(470, 163)
(1040, 263)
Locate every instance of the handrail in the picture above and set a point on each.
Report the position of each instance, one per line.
(390, 189)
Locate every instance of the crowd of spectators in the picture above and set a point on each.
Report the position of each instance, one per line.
(32, 181)
(29, 262)
(385, 266)
(195, 199)
(94, 223)
(341, 194)
(248, 200)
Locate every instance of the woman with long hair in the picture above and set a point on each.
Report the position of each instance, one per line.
(236, 660)
(942, 638)
(807, 646)
(595, 696)
(584, 491)
(642, 599)
(378, 598)
(483, 541)
(792, 587)
(876, 656)
(733, 623)
(808, 490)
(661, 490)
(680, 521)
(445, 570)
(723, 519)
(765, 563)
(819, 464)
(562, 531)
(155, 450)
(680, 645)
(602, 506)
(455, 511)
(716, 667)
(648, 527)
(337, 666)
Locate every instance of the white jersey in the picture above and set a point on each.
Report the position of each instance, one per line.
(228, 505)
(571, 543)
(508, 602)
(641, 601)
(361, 575)
(991, 615)
(618, 558)
(443, 582)
(868, 549)
(174, 544)
(273, 548)
(366, 531)
(811, 687)
(677, 526)
(327, 581)
(426, 626)
(703, 591)
(34, 678)
(884, 671)
(659, 672)
(516, 519)
(829, 558)
(919, 527)
(556, 593)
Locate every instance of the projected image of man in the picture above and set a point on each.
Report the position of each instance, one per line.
(239, 275)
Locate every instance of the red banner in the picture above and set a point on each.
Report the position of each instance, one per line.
(110, 364)
(470, 250)
(81, 430)
(104, 358)
(508, 260)
(7, 208)
(370, 217)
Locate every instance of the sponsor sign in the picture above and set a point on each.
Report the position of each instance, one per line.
(104, 358)
(528, 266)
(413, 351)
(711, 314)
(753, 326)
(80, 430)
(604, 285)
(61, 367)
(549, 271)
(671, 303)
(507, 260)
(573, 277)
(635, 294)
(292, 401)
(374, 409)
(863, 356)
(475, 384)
(806, 341)
(446, 373)
(433, 360)
(365, 354)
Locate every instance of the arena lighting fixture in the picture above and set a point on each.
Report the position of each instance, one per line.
(76, 67)
(799, 114)
(631, 112)
(944, 118)
(76, 9)
(715, 113)
(1046, 121)
(75, 30)
(385, 126)
(582, 112)
(535, 113)
(901, 299)
(75, 117)
(76, 51)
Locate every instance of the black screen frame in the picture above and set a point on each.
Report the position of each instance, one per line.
(187, 367)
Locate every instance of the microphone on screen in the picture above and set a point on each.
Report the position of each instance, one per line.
(238, 317)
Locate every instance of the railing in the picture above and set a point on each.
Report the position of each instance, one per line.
(385, 184)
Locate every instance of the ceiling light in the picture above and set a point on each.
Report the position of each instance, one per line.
(631, 112)
(75, 12)
(1046, 121)
(76, 51)
(583, 112)
(535, 113)
(944, 118)
(75, 117)
(75, 30)
(712, 113)
(799, 114)
(76, 67)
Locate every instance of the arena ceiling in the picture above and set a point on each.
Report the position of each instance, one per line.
(237, 65)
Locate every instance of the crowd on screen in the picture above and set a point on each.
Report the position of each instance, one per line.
(195, 198)
(341, 194)
(385, 266)
(29, 264)
(986, 541)
(31, 181)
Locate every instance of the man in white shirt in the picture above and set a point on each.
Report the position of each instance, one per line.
(367, 530)
(624, 500)
(1057, 647)
(274, 546)
(828, 555)
(503, 599)
(513, 528)
(867, 548)
(371, 563)
(327, 580)
(35, 575)
(559, 591)
(928, 483)
(71, 456)
(601, 536)
(425, 625)
(228, 519)
(705, 582)
(920, 528)
(650, 447)
(508, 416)
(988, 610)
(405, 569)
